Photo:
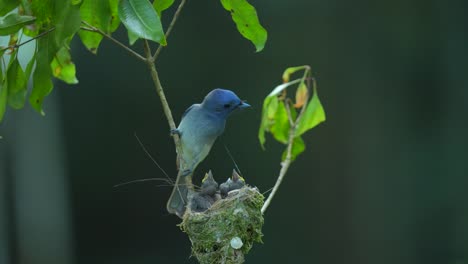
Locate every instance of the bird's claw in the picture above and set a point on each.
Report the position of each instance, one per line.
(175, 132)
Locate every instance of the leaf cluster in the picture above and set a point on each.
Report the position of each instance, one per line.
(53, 23)
(287, 119)
(48, 27)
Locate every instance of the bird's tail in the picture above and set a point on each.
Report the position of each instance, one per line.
(178, 199)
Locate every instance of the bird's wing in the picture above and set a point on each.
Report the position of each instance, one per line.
(188, 110)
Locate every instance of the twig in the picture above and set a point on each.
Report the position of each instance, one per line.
(169, 30)
(292, 134)
(285, 164)
(97, 30)
(166, 108)
(162, 96)
(149, 59)
(29, 40)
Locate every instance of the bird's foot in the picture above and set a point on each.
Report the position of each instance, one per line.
(174, 132)
(186, 172)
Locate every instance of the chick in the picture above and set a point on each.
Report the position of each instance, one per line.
(207, 196)
(235, 182)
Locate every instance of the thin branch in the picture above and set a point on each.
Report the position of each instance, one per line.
(166, 108)
(284, 165)
(29, 40)
(169, 30)
(292, 132)
(97, 30)
(162, 96)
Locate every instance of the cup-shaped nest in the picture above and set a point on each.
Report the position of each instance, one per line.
(227, 230)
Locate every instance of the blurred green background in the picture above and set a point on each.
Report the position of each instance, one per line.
(383, 180)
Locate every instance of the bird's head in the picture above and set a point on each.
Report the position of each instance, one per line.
(223, 102)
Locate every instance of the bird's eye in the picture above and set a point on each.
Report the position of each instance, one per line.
(227, 105)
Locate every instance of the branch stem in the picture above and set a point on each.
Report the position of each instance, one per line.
(150, 59)
(162, 96)
(169, 30)
(292, 134)
(285, 164)
(29, 40)
(120, 44)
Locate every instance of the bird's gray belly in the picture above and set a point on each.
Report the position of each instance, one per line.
(195, 148)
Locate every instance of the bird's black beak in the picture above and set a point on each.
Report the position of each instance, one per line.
(243, 105)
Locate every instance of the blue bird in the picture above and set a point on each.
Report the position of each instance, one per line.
(201, 124)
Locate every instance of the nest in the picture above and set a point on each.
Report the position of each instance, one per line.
(226, 232)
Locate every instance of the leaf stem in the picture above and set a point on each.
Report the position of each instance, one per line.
(169, 30)
(29, 40)
(97, 30)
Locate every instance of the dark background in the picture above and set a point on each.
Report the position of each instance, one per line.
(383, 180)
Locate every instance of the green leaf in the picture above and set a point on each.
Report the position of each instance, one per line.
(141, 19)
(32, 29)
(102, 14)
(313, 115)
(132, 37)
(14, 22)
(245, 17)
(270, 105)
(7, 5)
(67, 21)
(42, 83)
(25, 6)
(17, 84)
(63, 68)
(43, 10)
(298, 147)
(287, 73)
(161, 5)
(280, 127)
(114, 19)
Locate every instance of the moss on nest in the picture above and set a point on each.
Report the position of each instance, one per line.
(227, 230)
